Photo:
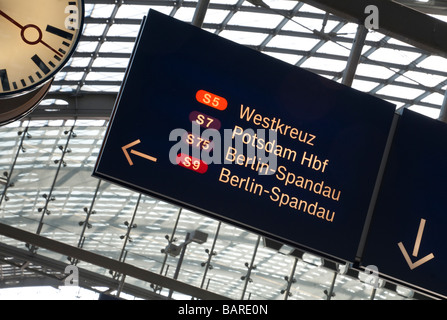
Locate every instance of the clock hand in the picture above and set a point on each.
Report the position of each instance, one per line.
(10, 19)
(39, 40)
(22, 33)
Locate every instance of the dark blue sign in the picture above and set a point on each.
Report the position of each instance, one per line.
(407, 238)
(213, 126)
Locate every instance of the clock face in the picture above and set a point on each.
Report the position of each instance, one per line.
(37, 38)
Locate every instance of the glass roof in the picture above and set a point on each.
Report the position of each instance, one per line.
(291, 31)
(52, 193)
(50, 162)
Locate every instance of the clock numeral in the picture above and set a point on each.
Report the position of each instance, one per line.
(42, 66)
(4, 80)
(60, 33)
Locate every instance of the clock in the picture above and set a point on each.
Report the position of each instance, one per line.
(37, 40)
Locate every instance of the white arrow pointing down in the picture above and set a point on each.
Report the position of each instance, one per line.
(417, 244)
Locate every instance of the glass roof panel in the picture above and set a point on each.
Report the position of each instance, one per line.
(93, 29)
(245, 38)
(394, 56)
(335, 48)
(84, 46)
(365, 86)
(127, 11)
(111, 62)
(101, 11)
(434, 63)
(101, 88)
(121, 47)
(303, 24)
(281, 4)
(104, 76)
(252, 19)
(429, 112)
(310, 8)
(324, 64)
(435, 99)
(348, 30)
(123, 30)
(79, 62)
(400, 92)
(376, 71)
(215, 16)
(289, 58)
(293, 43)
(69, 76)
(185, 14)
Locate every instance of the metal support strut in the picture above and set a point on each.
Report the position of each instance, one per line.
(199, 14)
(443, 113)
(354, 57)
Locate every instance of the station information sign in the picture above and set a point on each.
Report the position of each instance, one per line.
(231, 133)
(407, 237)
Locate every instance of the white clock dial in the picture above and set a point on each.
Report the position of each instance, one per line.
(38, 38)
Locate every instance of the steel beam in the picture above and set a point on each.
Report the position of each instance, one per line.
(200, 12)
(395, 20)
(354, 57)
(87, 279)
(105, 262)
(85, 106)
